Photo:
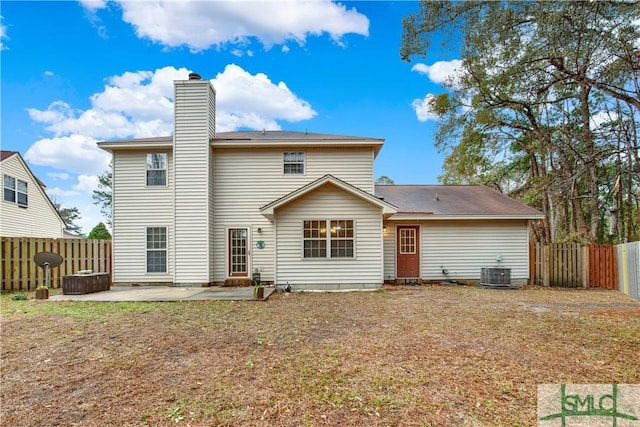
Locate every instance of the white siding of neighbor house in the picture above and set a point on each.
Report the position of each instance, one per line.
(364, 271)
(136, 207)
(39, 218)
(194, 127)
(248, 179)
(464, 247)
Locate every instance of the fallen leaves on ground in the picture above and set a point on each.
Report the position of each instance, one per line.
(410, 356)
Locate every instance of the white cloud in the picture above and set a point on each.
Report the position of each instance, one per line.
(254, 101)
(3, 34)
(86, 183)
(139, 104)
(601, 118)
(423, 109)
(74, 153)
(90, 215)
(441, 71)
(56, 192)
(203, 24)
(59, 175)
(49, 73)
(93, 5)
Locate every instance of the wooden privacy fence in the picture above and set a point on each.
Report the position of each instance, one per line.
(572, 265)
(19, 272)
(628, 255)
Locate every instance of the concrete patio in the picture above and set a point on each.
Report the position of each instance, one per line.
(167, 293)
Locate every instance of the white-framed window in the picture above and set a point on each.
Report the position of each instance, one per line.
(156, 169)
(156, 249)
(338, 242)
(15, 191)
(293, 163)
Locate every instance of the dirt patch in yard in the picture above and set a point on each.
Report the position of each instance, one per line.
(455, 355)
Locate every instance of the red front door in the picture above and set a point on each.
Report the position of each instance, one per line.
(408, 253)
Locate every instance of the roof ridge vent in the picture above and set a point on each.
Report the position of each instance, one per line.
(194, 76)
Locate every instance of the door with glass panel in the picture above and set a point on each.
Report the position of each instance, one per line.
(238, 252)
(408, 252)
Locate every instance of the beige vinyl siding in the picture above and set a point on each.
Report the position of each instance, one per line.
(329, 202)
(247, 179)
(194, 127)
(210, 209)
(39, 218)
(464, 247)
(389, 239)
(137, 206)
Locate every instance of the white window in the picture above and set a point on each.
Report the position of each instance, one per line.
(293, 163)
(15, 191)
(156, 249)
(157, 169)
(339, 239)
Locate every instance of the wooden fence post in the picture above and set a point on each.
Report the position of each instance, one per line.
(545, 265)
(584, 271)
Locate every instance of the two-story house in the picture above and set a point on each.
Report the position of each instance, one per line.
(25, 209)
(202, 208)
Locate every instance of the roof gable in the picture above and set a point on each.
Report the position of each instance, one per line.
(465, 201)
(4, 155)
(269, 210)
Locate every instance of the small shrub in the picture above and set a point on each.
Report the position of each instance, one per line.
(19, 297)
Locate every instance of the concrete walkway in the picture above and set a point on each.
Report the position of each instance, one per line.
(166, 293)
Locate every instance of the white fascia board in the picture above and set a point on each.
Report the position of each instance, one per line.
(135, 145)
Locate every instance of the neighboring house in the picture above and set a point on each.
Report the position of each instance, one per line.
(298, 208)
(25, 210)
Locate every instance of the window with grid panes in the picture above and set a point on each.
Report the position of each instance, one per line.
(156, 249)
(15, 191)
(293, 163)
(156, 169)
(319, 235)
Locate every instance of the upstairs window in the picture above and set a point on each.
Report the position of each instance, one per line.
(15, 191)
(317, 241)
(156, 169)
(294, 163)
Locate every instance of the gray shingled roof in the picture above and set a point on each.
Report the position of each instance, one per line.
(471, 200)
(284, 135)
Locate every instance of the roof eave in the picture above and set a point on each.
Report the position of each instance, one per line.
(434, 217)
(134, 145)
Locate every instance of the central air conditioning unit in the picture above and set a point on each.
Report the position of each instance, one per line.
(495, 276)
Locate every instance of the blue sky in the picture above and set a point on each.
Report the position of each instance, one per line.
(74, 73)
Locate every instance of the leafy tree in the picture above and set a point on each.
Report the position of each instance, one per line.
(384, 180)
(546, 106)
(102, 195)
(69, 215)
(100, 232)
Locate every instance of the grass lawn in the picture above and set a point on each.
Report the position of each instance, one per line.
(409, 356)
